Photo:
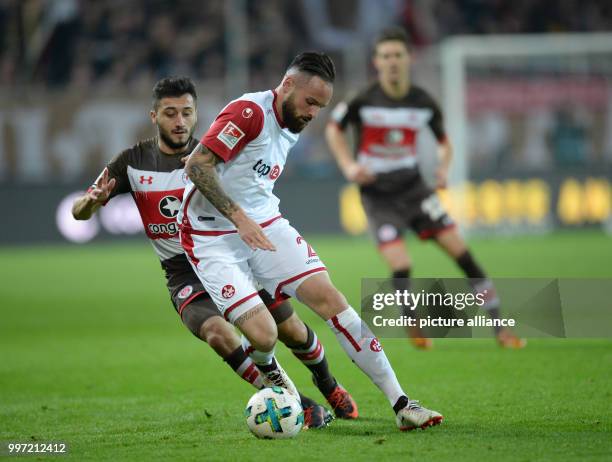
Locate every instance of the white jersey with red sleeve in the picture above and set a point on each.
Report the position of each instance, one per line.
(249, 136)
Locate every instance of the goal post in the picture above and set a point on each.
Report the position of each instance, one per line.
(530, 120)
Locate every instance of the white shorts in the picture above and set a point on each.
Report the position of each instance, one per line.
(232, 272)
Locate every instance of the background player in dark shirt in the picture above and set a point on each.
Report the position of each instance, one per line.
(387, 117)
(153, 172)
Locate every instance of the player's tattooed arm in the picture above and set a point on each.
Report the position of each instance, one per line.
(201, 170)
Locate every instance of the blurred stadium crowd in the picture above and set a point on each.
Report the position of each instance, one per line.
(79, 43)
(76, 76)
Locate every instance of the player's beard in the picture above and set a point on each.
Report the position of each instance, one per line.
(165, 137)
(292, 120)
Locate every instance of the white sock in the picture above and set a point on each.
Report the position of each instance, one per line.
(268, 366)
(365, 350)
(261, 358)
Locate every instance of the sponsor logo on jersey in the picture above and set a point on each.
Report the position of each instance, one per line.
(230, 135)
(386, 117)
(163, 228)
(375, 345)
(146, 179)
(247, 113)
(228, 291)
(169, 206)
(263, 169)
(185, 292)
(275, 172)
(185, 178)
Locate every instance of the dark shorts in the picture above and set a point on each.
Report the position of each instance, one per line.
(416, 207)
(195, 306)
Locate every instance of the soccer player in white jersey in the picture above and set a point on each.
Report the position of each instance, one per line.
(235, 237)
(152, 171)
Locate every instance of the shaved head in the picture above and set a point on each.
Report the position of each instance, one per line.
(307, 86)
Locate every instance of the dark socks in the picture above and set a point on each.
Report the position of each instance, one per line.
(401, 403)
(306, 401)
(481, 284)
(268, 367)
(236, 358)
(312, 355)
(469, 266)
(401, 281)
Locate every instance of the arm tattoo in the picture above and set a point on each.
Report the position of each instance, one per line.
(201, 171)
(249, 314)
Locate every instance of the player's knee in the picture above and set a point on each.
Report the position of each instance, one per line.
(262, 343)
(292, 331)
(331, 300)
(219, 335)
(264, 337)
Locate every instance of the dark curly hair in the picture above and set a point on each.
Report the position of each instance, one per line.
(173, 87)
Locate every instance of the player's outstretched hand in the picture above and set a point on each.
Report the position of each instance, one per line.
(101, 191)
(252, 234)
(359, 174)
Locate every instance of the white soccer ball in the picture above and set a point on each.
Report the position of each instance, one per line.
(274, 413)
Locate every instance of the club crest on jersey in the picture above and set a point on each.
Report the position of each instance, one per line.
(169, 206)
(146, 179)
(375, 345)
(185, 292)
(228, 291)
(247, 113)
(394, 136)
(230, 135)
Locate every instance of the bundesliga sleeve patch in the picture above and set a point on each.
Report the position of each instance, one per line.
(230, 135)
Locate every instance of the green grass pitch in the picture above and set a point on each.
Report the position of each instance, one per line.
(92, 353)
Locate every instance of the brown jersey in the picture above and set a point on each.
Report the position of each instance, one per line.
(386, 133)
(156, 182)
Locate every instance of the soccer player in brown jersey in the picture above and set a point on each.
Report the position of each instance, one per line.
(153, 172)
(386, 117)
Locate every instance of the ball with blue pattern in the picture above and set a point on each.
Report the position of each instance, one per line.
(274, 413)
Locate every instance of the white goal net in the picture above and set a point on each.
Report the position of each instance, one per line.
(530, 118)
